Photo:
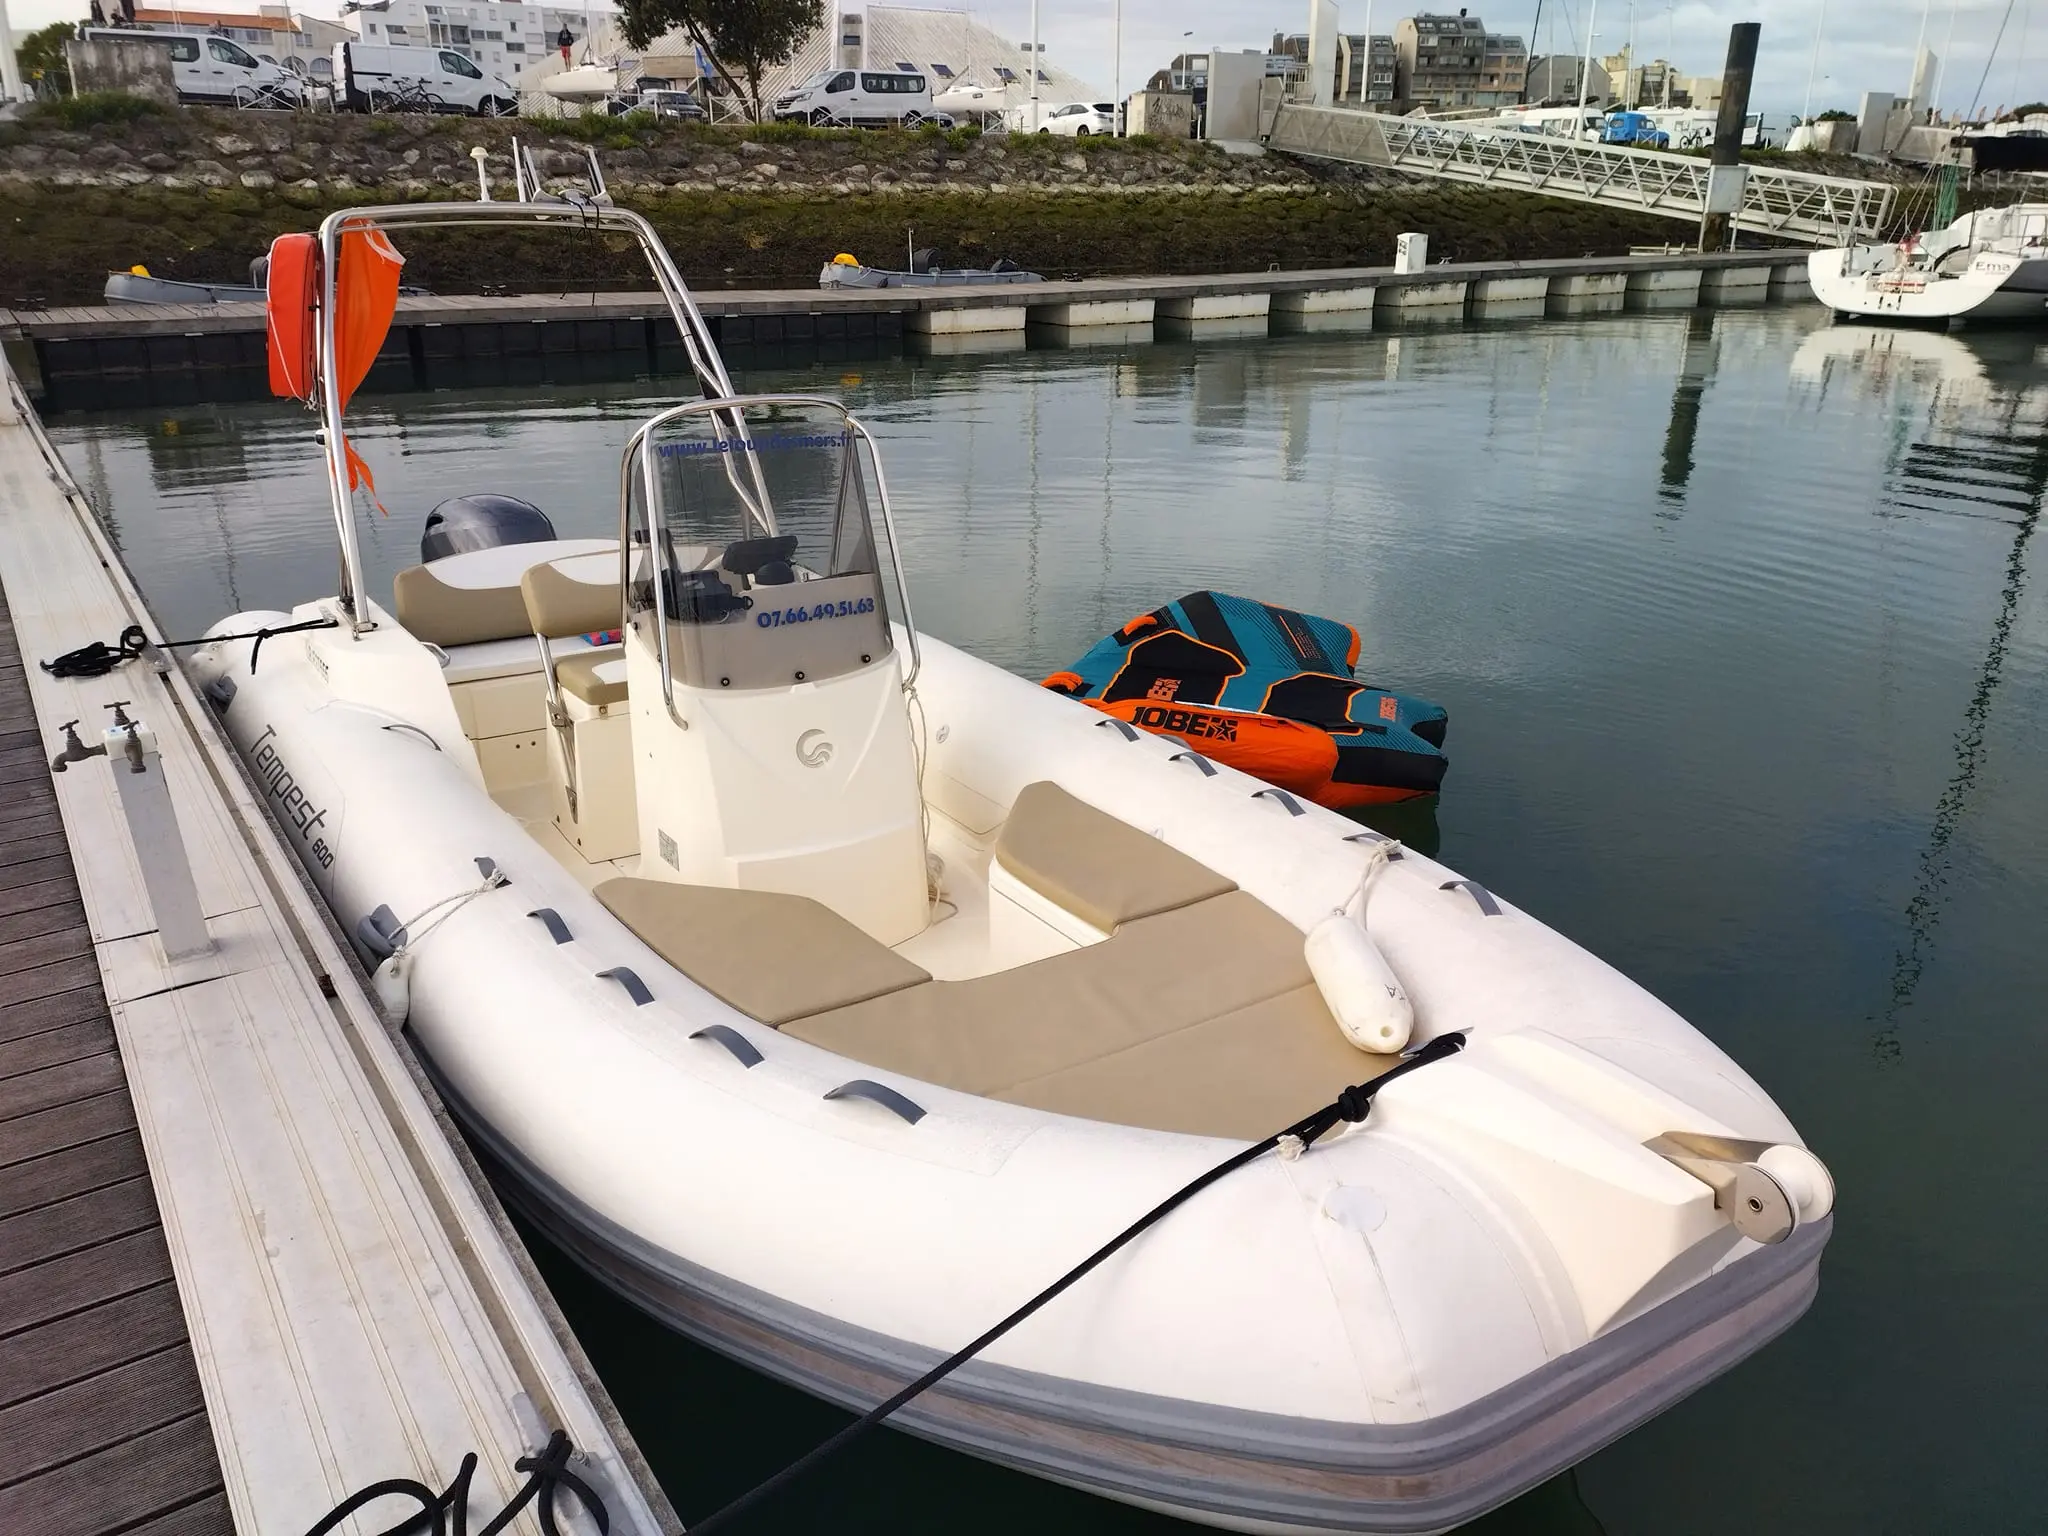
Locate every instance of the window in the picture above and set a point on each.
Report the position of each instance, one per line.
(1006, 75)
(227, 53)
(515, 47)
(1044, 78)
(456, 64)
(494, 37)
(373, 29)
(394, 29)
(905, 66)
(943, 71)
(185, 50)
(841, 82)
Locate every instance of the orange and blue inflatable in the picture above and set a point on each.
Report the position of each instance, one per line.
(1268, 691)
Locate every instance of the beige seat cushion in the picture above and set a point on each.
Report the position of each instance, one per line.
(1202, 1019)
(433, 610)
(773, 957)
(579, 675)
(577, 595)
(1103, 870)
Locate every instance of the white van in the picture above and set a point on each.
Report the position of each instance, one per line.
(866, 98)
(207, 68)
(373, 76)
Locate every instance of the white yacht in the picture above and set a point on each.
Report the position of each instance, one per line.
(828, 992)
(1988, 265)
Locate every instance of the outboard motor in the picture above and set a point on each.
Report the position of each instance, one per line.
(484, 521)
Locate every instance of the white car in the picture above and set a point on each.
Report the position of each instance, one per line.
(1079, 119)
(206, 68)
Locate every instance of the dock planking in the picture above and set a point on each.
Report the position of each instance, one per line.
(100, 1406)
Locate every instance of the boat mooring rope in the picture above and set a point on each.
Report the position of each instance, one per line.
(99, 658)
(1351, 1106)
(447, 1513)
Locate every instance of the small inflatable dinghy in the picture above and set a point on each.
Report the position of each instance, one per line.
(827, 992)
(925, 271)
(1269, 691)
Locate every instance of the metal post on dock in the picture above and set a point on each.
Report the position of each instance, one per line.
(1725, 174)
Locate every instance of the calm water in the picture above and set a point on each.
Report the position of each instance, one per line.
(1732, 614)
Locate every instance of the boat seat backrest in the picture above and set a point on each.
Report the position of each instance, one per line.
(1104, 871)
(475, 596)
(576, 595)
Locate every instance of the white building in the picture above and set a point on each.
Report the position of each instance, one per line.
(499, 38)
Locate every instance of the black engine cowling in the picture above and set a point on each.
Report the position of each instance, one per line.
(484, 521)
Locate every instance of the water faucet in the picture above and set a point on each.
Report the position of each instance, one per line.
(134, 743)
(75, 751)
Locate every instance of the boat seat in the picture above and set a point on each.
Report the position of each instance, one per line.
(598, 678)
(773, 957)
(576, 595)
(1102, 870)
(475, 596)
(1203, 1019)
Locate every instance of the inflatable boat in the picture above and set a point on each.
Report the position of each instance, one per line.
(1269, 691)
(827, 991)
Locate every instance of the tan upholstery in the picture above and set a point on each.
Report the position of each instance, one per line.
(772, 957)
(1103, 870)
(556, 604)
(1247, 1073)
(432, 610)
(578, 675)
(1201, 1019)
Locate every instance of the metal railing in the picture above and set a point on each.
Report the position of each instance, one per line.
(1796, 205)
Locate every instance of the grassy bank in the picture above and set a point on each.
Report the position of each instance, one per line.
(57, 243)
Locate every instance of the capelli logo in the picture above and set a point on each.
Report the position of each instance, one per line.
(813, 750)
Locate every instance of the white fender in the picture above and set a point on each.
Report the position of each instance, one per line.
(392, 982)
(1359, 986)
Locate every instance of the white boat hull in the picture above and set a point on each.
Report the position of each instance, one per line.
(1878, 283)
(1399, 1330)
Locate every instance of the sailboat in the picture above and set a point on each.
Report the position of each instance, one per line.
(826, 991)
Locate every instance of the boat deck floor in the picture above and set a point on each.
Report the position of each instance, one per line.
(100, 1408)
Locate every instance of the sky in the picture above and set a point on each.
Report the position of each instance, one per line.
(1864, 44)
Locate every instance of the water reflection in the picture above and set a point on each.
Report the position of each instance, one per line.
(1762, 757)
(1695, 371)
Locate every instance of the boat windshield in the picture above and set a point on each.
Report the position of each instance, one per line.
(750, 534)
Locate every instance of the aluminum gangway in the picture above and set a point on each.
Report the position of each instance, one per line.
(1793, 205)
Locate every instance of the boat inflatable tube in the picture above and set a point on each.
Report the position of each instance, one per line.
(1361, 989)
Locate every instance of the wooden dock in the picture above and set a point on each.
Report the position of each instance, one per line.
(245, 1268)
(100, 1407)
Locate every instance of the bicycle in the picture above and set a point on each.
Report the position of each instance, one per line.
(405, 96)
(267, 98)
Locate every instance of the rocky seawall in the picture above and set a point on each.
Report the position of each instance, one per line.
(195, 194)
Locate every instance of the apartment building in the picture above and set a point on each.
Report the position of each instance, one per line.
(1453, 61)
(1366, 69)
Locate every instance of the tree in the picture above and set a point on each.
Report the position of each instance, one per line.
(752, 36)
(43, 63)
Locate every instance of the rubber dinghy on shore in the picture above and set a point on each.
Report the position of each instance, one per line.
(1269, 691)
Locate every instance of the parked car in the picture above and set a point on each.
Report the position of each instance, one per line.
(1079, 119)
(860, 98)
(1633, 128)
(666, 102)
(206, 68)
(375, 77)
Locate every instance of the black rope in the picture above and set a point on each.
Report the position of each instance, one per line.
(100, 658)
(1352, 1105)
(447, 1513)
